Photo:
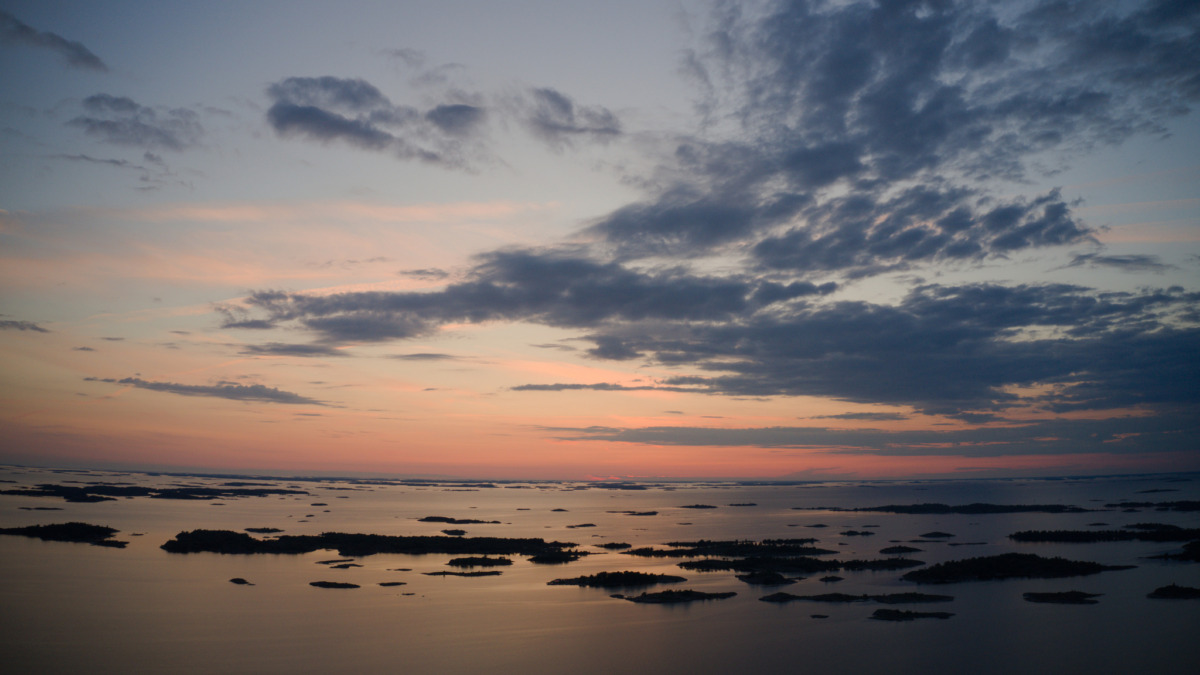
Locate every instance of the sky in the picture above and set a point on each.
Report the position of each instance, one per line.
(807, 240)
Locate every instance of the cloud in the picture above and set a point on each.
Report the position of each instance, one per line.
(867, 136)
(227, 390)
(841, 141)
(354, 111)
(866, 416)
(122, 121)
(1124, 263)
(9, 324)
(424, 356)
(1041, 437)
(282, 349)
(554, 118)
(76, 55)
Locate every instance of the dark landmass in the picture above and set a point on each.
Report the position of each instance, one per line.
(40, 508)
(240, 581)
(797, 565)
(935, 535)
(1007, 566)
(332, 584)
(1152, 491)
(905, 615)
(764, 578)
(1135, 532)
(557, 557)
(733, 548)
(887, 599)
(745, 504)
(1157, 506)
(856, 533)
(456, 521)
(615, 545)
(108, 492)
(344, 566)
(558, 510)
(1190, 553)
(618, 580)
(335, 562)
(393, 583)
(1063, 598)
(263, 530)
(938, 509)
(637, 513)
(899, 550)
(1175, 592)
(676, 597)
(819, 616)
(574, 527)
(83, 533)
(484, 573)
(454, 533)
(698, 506)
(480, 562)
(831, 579)
(357, 545)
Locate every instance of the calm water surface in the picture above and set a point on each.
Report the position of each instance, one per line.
(67, 607)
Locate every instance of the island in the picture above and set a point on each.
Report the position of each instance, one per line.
(483, 561)
(1160, 532)
(618, 580)
(456, 521)
(332, 584)
(1175, 592)
(1006, 566)
(887, 599)
(675, 597)
(905, 615)
(482, 573)
(83, 533)
(943, 509)
(1063, 597)
(107, 492)
(357, 545)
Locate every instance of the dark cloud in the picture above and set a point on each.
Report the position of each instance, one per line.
(426, 273)
(76, 55)
(555, 118)
(122, 121)
(456, 120)
(424, 357)
(283, 349)
(227, 390)
(869, 132)
(866, 416)
(1125, 263)
(9, 324)
(840, 141)
(83, 349)
(1041, 437)
(353, 111)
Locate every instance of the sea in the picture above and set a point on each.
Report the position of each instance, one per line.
(68, 607)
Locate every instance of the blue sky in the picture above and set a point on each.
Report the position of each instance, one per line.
(635, 238)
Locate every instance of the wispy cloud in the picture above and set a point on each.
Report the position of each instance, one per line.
(75, 54)
(226, 390)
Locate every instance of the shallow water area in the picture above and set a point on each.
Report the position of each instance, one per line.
(71, 606)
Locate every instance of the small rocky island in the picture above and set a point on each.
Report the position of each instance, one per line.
(887, 599)
(1175, 592)
(1006, 566)
(1063, 597)
(618, 580)
(675, 597)
(83, 533)
(905, 615)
